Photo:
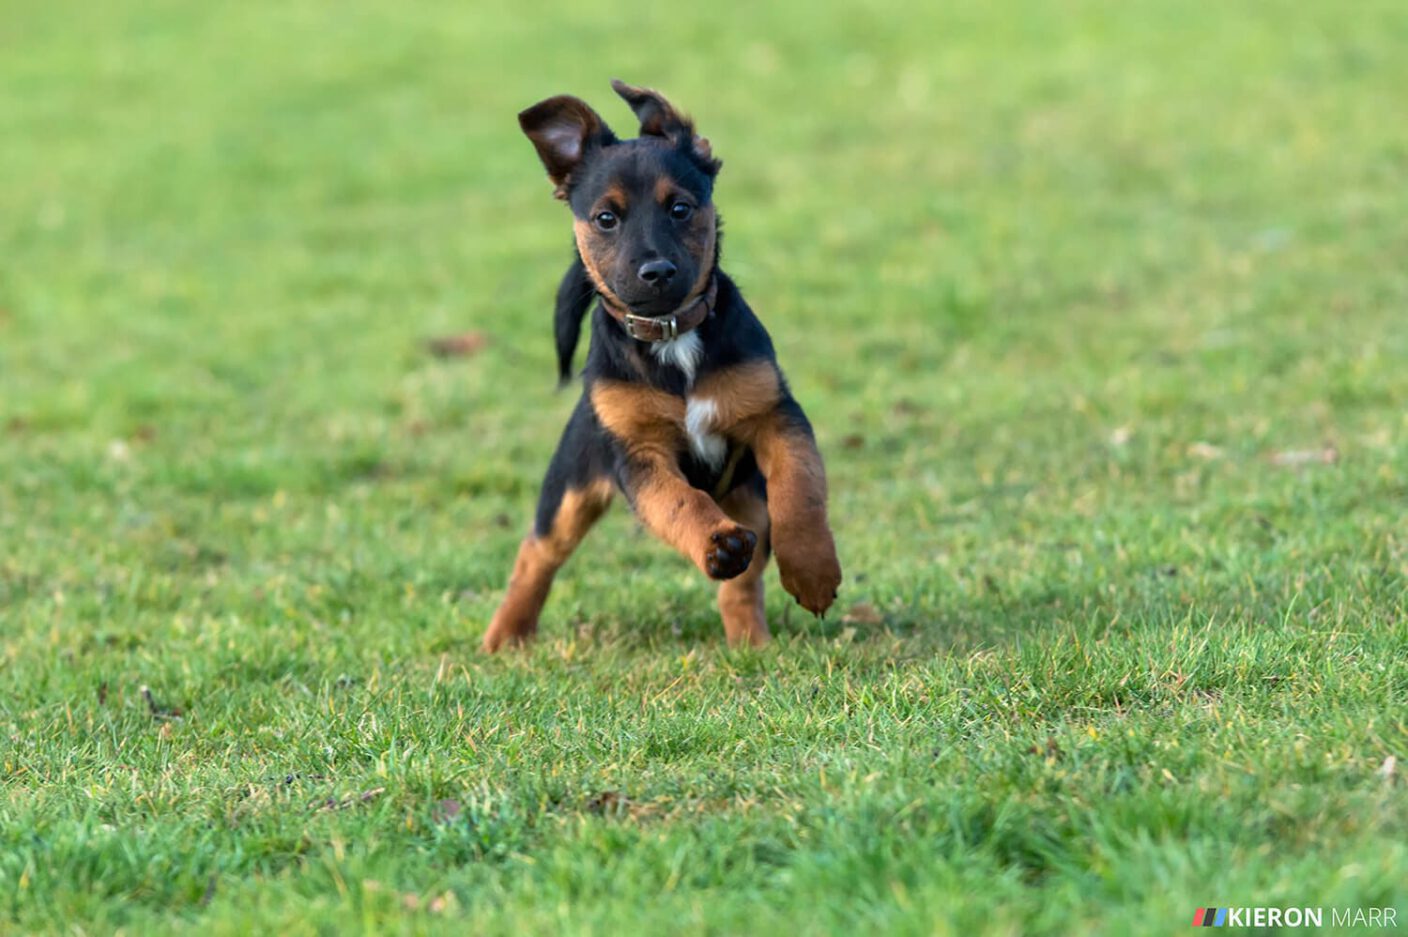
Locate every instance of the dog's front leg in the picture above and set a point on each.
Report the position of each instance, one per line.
(647, 426)
(796, 479)
(685, 517)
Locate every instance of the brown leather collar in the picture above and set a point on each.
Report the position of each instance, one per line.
(663, 328)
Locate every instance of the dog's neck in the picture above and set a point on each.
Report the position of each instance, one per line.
(689, 316)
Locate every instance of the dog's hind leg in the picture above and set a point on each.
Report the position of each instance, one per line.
(576, 492)
(741, 598)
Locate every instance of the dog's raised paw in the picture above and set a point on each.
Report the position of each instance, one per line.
(730, 551)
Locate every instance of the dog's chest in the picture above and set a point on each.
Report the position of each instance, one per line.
(701, 416)
(682, 353)
(701, 413)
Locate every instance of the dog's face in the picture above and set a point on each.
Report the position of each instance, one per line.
(643, 210)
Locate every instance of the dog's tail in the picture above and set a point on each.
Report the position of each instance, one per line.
(574, 297)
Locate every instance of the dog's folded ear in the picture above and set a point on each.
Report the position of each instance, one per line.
(659, 118)
(563, 130)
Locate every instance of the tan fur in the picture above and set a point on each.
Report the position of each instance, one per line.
(703, 234)
(599, 253)
(643, 418)
(665, 190)
(594, 255)
(728, 531)
(678, 513)
(650, 425)
(801, 537)
(741, 394)
(615, 198)
(539, 559)
(741, 598)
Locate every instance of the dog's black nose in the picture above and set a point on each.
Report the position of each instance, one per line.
(656, 272)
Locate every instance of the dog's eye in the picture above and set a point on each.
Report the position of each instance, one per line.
(606, 220)
(680, 211)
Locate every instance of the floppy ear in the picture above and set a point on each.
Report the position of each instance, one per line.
(563, 129)
(658, 118)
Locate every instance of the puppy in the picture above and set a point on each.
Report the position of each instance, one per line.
(684, 409)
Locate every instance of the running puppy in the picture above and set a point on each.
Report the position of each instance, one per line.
(684, 408)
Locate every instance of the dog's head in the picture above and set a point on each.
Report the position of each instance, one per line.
(642, 209)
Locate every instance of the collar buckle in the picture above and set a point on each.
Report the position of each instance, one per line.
(646, 329)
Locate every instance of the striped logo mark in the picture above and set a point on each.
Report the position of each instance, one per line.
(1210, 917)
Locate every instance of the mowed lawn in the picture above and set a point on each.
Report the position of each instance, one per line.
(1100, 311)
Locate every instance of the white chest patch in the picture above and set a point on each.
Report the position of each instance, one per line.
(683, 352)
(699, 416)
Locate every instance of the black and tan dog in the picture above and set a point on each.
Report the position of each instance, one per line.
(684, 409)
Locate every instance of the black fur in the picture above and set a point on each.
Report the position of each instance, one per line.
(582, 457)
(574, 297)
(626, 198)
(732, 336)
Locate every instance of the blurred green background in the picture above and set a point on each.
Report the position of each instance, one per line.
(1098, 307)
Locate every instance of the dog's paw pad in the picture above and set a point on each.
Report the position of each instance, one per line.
(730, 552)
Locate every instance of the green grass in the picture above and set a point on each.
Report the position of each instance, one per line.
(1063, 287)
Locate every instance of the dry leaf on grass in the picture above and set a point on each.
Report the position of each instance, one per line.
(862, 613)
(607, 802)
(332, 803)
(457, 346)
(446, 810)
(438, 904)
(616, 805)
